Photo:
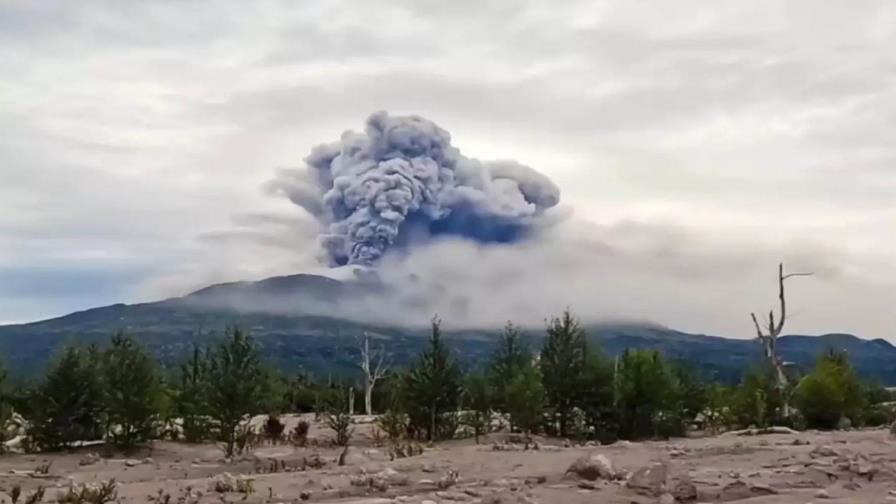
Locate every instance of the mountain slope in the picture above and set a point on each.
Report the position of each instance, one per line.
(298, 339)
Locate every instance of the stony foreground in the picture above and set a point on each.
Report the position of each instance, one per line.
(844, 467)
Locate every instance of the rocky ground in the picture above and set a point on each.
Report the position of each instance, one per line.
(841, 467)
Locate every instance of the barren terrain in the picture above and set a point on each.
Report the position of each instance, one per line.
(837, 467)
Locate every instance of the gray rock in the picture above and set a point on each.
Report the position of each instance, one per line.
(593, 467)
(650, 479)
(684, 490)
(666, 498)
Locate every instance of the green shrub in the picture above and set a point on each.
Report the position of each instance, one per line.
(831, 391)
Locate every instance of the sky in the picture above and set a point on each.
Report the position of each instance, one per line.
(695, 144)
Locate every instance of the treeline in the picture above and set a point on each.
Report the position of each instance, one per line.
(566, 388)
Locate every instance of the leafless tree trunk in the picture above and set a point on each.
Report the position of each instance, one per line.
(769, 338)
(373, 366)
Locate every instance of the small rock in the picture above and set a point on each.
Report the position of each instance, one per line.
(760, 489)
(822, 494)
(132, 462)
(851, 485)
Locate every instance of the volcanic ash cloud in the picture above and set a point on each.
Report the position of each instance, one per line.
(401, 182)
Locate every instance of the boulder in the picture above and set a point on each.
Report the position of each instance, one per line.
(684, 490)
(593, 467)
(823, 451)
(844, 423)
(666, 498)
(650, 479)
(89, 459)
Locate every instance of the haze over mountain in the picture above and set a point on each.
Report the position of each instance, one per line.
(314, 322)
(694, 145)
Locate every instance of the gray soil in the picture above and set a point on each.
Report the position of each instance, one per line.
(837, 467)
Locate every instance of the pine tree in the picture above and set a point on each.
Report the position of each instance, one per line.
(235, 386)
(5, 408)
(596, 397)
(133, 392)
(477, 401)
(562, 365)
(68, 402)
(508, 360)
(191, 400)
(433, 388)
(525, 401)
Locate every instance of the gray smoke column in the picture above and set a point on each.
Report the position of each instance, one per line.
(401, 181)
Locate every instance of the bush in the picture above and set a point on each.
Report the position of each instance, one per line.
(394, 423)
(299, 434)
(100, 493)
(340, 422)
(830, 392)
(757, 402)
(273, 428)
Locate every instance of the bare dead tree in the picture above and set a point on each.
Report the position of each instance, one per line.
(373, 365)
(769, 338)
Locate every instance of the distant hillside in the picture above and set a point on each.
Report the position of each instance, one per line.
(325, 345)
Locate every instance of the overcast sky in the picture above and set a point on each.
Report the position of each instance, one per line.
(703, 142)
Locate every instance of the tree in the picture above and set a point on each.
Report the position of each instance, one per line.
(5, 408)
(562, 364)
(757, 398)
(508, 360)
(525, 401)
(235, 386)
(596, 397)
(769, 338)
(477, 401)
(191, 400)
(133, 393)
(68, 402)
(691, 393)
(646, 395)
(830, 392)
(373, 368)
(433, 388)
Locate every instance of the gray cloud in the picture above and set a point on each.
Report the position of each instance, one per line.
(701, 141)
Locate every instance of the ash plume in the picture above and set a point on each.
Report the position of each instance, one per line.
(402, 182)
